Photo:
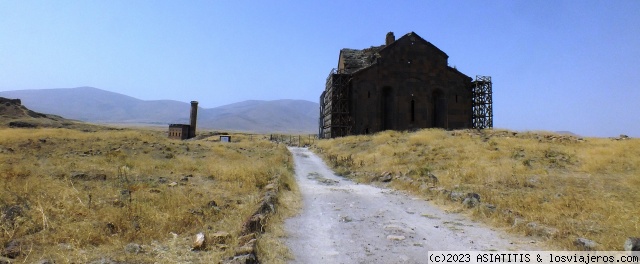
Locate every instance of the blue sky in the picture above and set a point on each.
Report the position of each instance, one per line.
(556, 65)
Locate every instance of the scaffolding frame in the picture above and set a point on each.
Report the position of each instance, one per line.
(482, 105)
(321, 116)
(335, 118)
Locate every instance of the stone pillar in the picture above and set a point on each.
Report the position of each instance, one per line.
(194, 117)
(389, 39)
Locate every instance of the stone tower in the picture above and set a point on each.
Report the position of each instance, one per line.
(193, 119)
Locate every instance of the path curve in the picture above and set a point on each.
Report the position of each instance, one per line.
(345, 222)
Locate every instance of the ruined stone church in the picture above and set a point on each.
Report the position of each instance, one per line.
(405, 84)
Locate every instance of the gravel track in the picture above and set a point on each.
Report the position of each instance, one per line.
(345, 222)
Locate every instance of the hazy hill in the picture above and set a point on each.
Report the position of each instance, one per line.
(95, 105)
(295, 116)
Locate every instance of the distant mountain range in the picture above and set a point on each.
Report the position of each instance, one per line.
(99, 106)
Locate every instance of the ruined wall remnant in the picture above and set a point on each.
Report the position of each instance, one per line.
(7, 101)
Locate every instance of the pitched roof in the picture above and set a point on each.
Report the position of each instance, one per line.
(355, 60)
(415, 37)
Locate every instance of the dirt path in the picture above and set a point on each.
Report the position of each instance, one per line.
(345, 222)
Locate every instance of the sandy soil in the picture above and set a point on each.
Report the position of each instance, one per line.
(345, 222)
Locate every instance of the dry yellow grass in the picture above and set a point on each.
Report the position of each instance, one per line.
(542, 184)
(76, 197)
(271, 247)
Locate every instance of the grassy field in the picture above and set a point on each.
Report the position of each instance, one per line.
(132, 196)
(546, 185)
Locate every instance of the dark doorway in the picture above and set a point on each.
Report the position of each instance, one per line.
(387, 108)
(439, 109)
(413, 111)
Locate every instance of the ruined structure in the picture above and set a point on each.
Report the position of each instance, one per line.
(405, 84)
(184, 131)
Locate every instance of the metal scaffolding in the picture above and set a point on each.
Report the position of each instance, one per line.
(335, 119)
(321, 116)
(482, 105)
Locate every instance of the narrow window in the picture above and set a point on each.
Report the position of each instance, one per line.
(413, 111)
(368, 94)
(456, 98)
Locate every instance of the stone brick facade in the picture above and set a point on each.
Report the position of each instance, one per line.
(179, 131)
(405, 84)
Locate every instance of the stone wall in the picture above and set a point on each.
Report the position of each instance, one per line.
(410, 87)
(179, 131)
(7, 101)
